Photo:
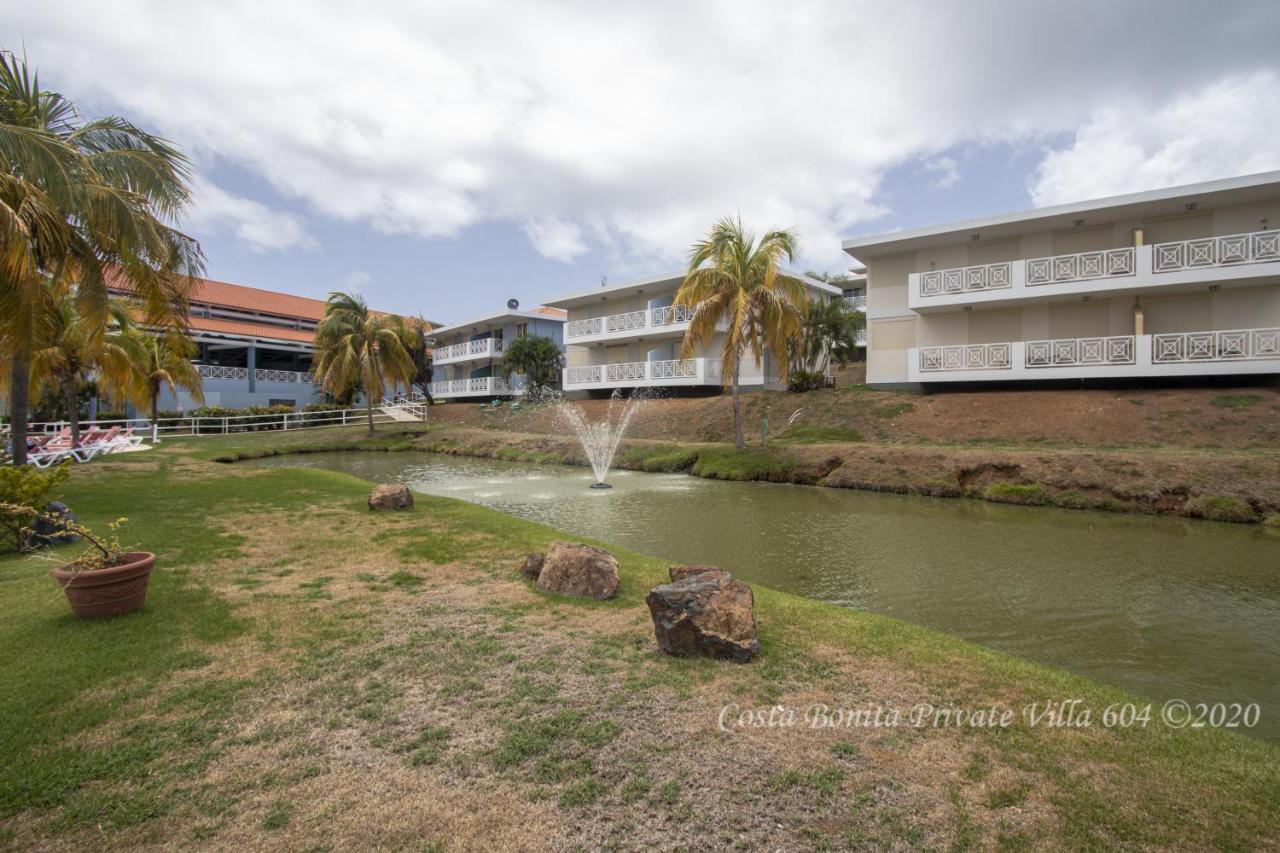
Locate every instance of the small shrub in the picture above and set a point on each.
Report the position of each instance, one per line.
(1032, 494)
(1072, 500)
(27, 487)
(1217, 508)
(804, 380)
(1235, 401)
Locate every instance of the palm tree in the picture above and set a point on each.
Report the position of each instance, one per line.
(535, 358)
(81, 202)
(734, 278)
(417, 341)
(830, 335)
(355, 345)
(78, 347)
(162, 359)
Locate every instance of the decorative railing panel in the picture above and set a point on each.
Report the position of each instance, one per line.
(1077, 352)
(1082, 266)
(685, 368)
(626, 322)
(966, 357)
(965, 279)
(579, 328)
(1230, 345)
(218, 371)
(627, 371)
(858, 302)
(1254, 248)
(669, 314)
(583, 375)
(283, 376)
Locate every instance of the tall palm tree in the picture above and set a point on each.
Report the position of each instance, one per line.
(417, 340)
(78, 347)
(162, 359)
(535, 358)
(830, 335)
(733, 277)
(355, 345)
(82, 202)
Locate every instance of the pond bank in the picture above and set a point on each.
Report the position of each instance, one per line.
(1219, 486)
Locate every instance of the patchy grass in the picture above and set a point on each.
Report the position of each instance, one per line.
(387, 680)
(660, 457)
(815, 434)
(1236, 401)
(725, 463)
(1217, 508)
(1027, 494)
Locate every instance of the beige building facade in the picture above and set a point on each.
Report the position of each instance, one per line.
(1177, 282)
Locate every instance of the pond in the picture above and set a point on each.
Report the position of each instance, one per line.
(1165, 608)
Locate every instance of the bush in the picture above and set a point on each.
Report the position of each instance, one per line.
(26, 487)
(804, 380)
(1016, 493)
(1217, 508)
(245, 424)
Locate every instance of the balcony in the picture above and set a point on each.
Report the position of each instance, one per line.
(643, 374)
(1233, 351)
(481, 348)
(484, 387)
(1209, 260)
(858, 303)
(669, 319)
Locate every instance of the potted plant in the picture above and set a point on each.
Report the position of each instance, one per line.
(106, 579)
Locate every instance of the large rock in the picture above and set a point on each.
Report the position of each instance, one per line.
(391, 496)
(704, 611)
(572, 569)
(532, 565)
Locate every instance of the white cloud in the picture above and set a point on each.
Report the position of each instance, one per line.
(1223, 129)
(356, 280)
(258, 226)
(946, 169)
(627, 128)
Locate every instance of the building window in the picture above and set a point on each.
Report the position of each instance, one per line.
(522, 330)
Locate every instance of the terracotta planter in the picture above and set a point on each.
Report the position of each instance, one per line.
(108, 592)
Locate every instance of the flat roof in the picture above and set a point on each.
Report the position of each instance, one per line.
(1170, 200)
(583, 297)
(542, 312)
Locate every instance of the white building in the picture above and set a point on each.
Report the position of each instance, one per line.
(630, 335)
(1168, 283)
(467, 355)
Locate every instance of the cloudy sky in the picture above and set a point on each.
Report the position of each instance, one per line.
(443, 157)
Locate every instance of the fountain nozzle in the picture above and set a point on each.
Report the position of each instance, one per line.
(601, 486)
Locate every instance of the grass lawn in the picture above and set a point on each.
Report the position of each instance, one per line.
(310, 675)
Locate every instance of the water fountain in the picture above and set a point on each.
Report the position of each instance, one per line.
(600, 438)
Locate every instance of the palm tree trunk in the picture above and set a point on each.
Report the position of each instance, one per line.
(737, 415)
(19, 401)
(155, 413)
(73, 409)
(368, 407)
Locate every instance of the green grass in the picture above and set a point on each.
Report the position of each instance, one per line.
(1236, 401)
(107, 726)
(725, 463)
(1032, 494)
(1216, 508)
(815, 434)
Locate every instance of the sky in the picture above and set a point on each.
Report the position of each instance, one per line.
(441, 158)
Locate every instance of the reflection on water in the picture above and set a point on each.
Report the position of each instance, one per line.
(1165, 608)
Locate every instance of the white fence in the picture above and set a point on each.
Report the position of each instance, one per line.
(182, 426)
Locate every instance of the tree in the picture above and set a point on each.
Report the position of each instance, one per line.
(77, 347)
(733, 277)
(355, 345)
(418, 343)
(535, 358)
(82, 202)
(162, 359)
(830, 335)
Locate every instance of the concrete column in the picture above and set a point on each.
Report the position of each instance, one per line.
(253, 364)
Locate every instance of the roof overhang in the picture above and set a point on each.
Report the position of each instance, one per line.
(656, 284)
(501, 318)
(1143, 205)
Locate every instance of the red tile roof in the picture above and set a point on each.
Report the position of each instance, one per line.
(257, 330)
(555, 313)
(237, 296)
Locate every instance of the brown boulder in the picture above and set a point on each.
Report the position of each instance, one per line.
(704, 612)
(532, 565)
(572, 569)
(391, 496)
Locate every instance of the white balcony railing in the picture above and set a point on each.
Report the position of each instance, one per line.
(860, 337)
(1080, 351)
(683, 371)
(966, 357)
(670, 314)
(582, 328)
(1231, 345)
(218, 371)
(284, 376)
(1256, 247)
(963, 279)
(479, 348)
(857, 302)
(1227, 352)
(626, 322)
(1082, 266)
(479, 386)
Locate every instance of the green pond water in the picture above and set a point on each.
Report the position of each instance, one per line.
(1165, 608)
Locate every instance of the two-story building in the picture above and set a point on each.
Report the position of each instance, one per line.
(630, 336)
(254, 346)
(467, 355)
(1168, 283)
